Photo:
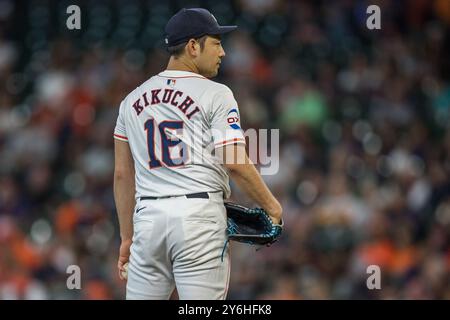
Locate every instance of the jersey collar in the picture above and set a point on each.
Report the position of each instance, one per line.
(179, 74)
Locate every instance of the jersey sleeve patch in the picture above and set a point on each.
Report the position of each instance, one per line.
(225, 120)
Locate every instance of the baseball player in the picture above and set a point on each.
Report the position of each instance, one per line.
(170, 205)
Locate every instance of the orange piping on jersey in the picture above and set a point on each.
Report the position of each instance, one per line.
(231, 140)
(119, 136)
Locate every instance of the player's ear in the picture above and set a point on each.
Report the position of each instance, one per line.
(193, 48)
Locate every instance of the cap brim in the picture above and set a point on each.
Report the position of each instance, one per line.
(225, 29)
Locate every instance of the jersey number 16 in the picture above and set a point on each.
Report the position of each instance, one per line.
(166, 144)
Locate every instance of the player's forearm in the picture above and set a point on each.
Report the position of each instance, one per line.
(249, 180)
(124, 191)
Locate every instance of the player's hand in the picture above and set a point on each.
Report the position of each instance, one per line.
(276, 219)
(276, 213)
(124, 256)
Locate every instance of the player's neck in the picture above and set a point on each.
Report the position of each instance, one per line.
(181, 64)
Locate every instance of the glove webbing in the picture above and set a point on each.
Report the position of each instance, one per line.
(232, 229)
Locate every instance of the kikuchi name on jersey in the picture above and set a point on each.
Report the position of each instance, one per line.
(169, 96)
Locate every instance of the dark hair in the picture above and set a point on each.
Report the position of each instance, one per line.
(178, 50)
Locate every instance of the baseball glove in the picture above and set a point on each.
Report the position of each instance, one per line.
(251, 225)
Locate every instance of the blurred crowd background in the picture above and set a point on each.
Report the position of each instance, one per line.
(364, 125)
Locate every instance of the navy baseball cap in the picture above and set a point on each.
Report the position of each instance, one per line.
(192, 23)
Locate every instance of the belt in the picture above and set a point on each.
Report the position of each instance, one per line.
(198, 195)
